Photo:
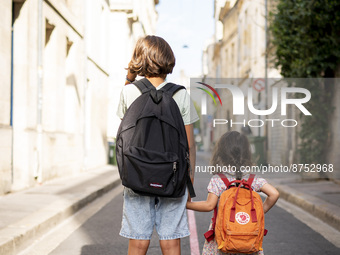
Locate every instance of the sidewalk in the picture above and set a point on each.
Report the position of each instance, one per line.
(27, 215)
(319, 198)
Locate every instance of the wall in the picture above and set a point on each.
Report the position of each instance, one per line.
(240, 53)
(5, 96)
(85, 46)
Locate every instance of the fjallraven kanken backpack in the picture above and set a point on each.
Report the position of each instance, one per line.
(151, 145)
(239, 220)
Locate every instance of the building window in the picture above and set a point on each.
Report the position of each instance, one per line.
(49, 29)
(68, 46)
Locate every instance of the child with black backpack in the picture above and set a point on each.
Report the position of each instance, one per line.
(154, 147)
(228, 231)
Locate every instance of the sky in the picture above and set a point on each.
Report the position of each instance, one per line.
(190, 23)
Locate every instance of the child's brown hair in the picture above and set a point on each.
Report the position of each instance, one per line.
(152, 57)
(232, 149)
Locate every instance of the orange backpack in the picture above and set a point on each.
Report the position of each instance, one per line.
(238, 224)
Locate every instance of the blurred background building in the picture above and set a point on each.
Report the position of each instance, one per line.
(62, 65)
(241, 53)
(237, 54)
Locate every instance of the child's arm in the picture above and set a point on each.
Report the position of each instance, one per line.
(204, 206)
(272, 196)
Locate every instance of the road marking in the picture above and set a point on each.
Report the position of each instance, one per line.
(331, 234)
(194, 245)
(51, 240)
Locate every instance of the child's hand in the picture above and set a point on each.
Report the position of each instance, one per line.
(204, 206)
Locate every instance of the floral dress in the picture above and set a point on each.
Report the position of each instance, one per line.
(217, 186)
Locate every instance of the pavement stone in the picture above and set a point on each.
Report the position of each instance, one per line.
(28, 214)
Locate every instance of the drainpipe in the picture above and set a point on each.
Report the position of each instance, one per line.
(11, 116)
(266, 70)
(266, 52)
(85, 88)
(38, 170)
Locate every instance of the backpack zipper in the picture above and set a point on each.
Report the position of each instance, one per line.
(174, 168)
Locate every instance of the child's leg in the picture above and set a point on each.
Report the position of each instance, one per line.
(171, 223)
(138, 221)
(171, 247)
(138, 247)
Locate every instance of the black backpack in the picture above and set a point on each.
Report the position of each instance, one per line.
(151, 145)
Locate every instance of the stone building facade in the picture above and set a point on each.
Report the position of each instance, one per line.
(237, 52)
(62, 65)
(237, 56)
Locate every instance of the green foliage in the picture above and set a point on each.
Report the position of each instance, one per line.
(306, 37)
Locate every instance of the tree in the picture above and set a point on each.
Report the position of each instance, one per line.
(306, 37)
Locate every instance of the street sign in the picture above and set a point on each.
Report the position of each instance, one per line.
(259, 84)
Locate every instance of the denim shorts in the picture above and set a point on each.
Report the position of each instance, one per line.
(142, 213)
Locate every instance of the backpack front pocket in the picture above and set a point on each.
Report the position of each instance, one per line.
(242, 242)
(151, 171)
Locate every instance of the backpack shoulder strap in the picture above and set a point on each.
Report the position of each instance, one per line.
(251, 179)
(224, 179)
(172, 88)
(143, 85)
(209, 235)
(191, 188)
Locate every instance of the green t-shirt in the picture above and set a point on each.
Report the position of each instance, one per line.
(130, 92)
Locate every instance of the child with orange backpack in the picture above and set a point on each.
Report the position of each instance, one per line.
(238, 221)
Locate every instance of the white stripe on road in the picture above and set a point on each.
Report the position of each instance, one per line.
(194, 245)
(328, 232)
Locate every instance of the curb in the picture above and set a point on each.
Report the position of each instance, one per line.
(20, 235)
(319, 208)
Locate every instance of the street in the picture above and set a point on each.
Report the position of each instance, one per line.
(94, 230)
